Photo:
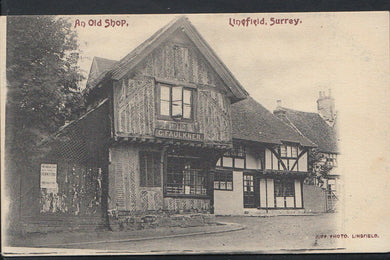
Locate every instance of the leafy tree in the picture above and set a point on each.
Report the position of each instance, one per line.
(319, 169)
(42, 88)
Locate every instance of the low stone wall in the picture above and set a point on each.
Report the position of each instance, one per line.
(120, 221)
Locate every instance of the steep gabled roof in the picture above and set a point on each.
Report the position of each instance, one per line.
(99, 66)
(253, 122)
(315, 128)
(126, 64)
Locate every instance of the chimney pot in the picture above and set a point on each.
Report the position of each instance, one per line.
(279, 102)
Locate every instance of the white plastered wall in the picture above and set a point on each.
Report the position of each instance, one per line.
(230, 202)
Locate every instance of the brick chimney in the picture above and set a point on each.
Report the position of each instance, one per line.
(326, 107)
(280, 111)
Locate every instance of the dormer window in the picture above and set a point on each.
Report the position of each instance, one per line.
(175, 102)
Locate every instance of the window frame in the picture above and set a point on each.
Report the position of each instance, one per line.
(184, 88)
(331, 159)
(196, 174)
(283, 182)
(238, 152)
(227, 177)
(288, 158)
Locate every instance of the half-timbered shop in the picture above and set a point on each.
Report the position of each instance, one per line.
(167, 105)
(264, 172)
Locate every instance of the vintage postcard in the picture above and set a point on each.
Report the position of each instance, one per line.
(198, 133)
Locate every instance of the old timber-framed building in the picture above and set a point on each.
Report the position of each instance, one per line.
(165, 119)
(321, 129)
(170, 130)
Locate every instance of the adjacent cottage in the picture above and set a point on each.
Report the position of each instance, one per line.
(264, 172)
(321, 129)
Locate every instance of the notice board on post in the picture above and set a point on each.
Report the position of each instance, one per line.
(49, 178)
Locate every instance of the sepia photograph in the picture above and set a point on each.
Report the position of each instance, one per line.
(195, 133)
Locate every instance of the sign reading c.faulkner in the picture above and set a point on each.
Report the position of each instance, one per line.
(164, 133)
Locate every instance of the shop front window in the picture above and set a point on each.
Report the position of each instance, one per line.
(284, 193)
(185, 177)
(284, 188)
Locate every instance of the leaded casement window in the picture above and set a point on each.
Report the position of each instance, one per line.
(150, 170)
(238, 151)
(175, 102)
(223, 180)
(331, 159)
(284, 188)
(288, 151)
(288, 154)
(185, 177)
(235, 158)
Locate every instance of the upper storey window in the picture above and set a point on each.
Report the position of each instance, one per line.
(288, 151)
(176, 102)
(331, 159)
(289, 155)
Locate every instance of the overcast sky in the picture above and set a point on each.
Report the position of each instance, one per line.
(284, 61)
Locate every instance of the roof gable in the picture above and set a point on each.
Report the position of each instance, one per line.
(126, 64)
(253, 122)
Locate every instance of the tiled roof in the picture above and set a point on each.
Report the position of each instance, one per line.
(253, 122)
(315, 128)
